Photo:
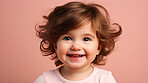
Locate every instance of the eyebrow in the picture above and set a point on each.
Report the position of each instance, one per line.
(85, 34)
(89, 35)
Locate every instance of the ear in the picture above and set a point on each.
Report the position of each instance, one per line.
(99, 49)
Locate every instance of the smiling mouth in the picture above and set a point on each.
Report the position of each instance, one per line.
(73, 55)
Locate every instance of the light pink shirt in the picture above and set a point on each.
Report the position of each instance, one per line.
(97, 76)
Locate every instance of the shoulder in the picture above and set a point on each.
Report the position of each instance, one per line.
(104, 75)
(46, 76)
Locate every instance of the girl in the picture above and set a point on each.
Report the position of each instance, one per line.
(77, 36)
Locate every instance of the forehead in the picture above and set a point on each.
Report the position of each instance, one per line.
(86, 28)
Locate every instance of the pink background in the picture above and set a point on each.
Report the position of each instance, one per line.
(20, 57)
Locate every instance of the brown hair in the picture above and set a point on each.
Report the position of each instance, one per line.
(73, 15)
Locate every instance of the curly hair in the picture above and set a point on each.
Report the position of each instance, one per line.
(74, 15)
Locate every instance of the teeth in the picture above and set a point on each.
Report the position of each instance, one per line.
(75, 55)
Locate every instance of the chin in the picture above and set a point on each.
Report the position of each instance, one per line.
(76, 65)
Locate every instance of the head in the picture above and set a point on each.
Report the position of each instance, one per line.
(72, 16)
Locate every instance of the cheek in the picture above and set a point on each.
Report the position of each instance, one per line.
(60, 52)
(92, 49)
(91, 53)
(61, 48)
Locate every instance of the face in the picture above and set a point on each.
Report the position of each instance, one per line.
(78, 48)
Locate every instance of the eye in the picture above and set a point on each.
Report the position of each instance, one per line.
(67, 38)
(86, 39)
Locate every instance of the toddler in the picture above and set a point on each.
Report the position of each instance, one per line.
(77, 36)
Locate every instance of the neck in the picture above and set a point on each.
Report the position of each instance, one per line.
(76, 74)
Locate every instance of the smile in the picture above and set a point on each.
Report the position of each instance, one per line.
(74, 55)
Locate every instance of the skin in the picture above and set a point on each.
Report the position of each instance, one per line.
(80, 41)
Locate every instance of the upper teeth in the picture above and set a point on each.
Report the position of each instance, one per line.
(76, 55)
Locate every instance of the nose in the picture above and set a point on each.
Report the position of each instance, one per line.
(75, 47)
